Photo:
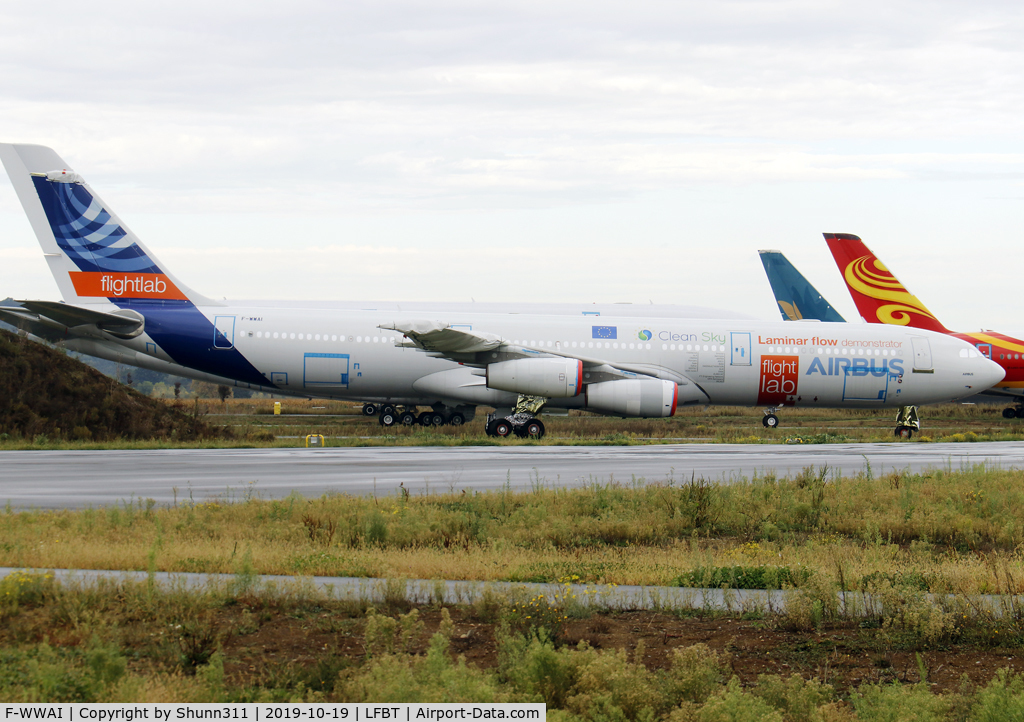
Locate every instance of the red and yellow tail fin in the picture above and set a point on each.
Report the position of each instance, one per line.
(879, 295)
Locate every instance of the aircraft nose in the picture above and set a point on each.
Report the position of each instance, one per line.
(990, 374)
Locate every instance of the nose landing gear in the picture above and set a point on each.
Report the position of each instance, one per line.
(907, 422)
(770, 420)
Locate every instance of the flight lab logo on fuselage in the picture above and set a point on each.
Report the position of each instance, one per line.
(780, 376)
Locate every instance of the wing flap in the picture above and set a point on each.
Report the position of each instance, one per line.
(443, 339)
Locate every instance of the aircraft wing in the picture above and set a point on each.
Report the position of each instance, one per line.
(476, 348)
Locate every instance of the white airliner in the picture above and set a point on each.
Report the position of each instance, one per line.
(121, 303)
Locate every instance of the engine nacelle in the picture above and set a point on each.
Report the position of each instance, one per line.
(646, 398)
(556, 378)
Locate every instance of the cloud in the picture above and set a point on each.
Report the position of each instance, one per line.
(572, 129)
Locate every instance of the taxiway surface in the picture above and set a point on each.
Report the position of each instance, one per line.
(77, 479)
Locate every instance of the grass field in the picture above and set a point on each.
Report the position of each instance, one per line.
(954, 530)
(923, 547)
(254, 424)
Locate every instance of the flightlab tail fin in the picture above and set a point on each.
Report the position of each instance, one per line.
(92, 254)
(879, 295)
(796, 297)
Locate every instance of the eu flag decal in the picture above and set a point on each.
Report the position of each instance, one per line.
(605, 332)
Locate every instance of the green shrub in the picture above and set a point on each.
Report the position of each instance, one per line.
(20, 588)
(433, 678)
(799, 700)
(387, 635)
(696, 672)
(42, 673)
(763, 576)
(732, 704)
(535, 669)
(898, 703)
(538, 615)
(1002, 699)
(608, 686)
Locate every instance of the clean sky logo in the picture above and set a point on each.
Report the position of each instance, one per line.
(644, 334)
(605, 332)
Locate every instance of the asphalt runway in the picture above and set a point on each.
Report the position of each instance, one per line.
(78, 479)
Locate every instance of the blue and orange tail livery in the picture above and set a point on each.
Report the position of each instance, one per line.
(92, 254)
(879, 295)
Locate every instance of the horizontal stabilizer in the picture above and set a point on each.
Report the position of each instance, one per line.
(72, 316)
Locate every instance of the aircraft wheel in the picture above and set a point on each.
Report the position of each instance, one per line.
(1009, 412)
(456, 419)
(388, 409)
(437, 419)
(904, 432)
(489, 427)
(425, 418)
(388, 418)
(369, 410)
(407, 418)
(502, 428)
(770, 421)
(534, 429)
(1020, 412)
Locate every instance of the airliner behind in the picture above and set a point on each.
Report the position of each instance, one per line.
(122, 303)
(881, 298)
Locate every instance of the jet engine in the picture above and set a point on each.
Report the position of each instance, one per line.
(557, 378)
(645, 398)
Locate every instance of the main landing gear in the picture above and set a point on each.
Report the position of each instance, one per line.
(445, 416)
(770, 420)
(1012, 412)
(521, 420)
(522, 425)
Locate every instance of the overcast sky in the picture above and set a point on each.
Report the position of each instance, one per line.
(543, 151)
